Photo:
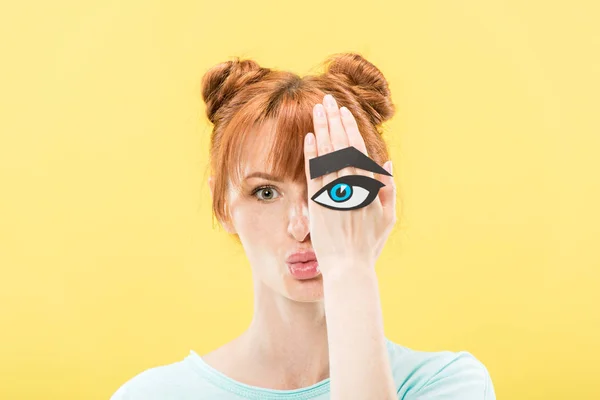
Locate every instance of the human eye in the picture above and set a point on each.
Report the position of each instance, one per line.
(265, 189)
(350, 191)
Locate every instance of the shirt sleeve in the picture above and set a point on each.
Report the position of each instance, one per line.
(463, 378)
(121, 394)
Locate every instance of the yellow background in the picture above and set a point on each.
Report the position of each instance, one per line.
(110, 265)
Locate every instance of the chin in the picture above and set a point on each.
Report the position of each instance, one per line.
(305, 291)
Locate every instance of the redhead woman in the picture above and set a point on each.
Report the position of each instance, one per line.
(301, 177)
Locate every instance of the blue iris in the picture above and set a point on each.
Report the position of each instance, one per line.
(342, 187)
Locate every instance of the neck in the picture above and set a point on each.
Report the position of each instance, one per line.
(287, 339)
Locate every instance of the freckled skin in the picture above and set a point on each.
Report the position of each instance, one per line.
(285, 346)
(270, 229)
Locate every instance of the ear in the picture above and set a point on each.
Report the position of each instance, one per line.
(228, 226)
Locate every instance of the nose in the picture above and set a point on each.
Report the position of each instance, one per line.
(299, 223)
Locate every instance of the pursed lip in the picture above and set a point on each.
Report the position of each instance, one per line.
(301, 256)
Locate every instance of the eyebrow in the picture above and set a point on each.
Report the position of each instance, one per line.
(342, 158)
(264, 175)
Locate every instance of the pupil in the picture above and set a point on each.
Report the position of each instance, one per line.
(266, 191)
(341, 193)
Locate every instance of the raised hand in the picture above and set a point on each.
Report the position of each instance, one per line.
(351, 212)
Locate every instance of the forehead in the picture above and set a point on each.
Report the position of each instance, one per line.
(255, 149)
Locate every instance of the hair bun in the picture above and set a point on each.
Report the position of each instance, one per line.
(224, 80)
(367, 83)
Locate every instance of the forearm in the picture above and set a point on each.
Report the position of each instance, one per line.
(358, 359)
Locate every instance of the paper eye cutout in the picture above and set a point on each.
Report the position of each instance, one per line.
(348, 192)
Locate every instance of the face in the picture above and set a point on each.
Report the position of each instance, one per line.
(271, 220)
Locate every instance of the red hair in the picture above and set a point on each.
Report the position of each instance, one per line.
(241, 96)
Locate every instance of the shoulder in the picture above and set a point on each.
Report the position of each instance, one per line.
(176, 380)
(439, 374)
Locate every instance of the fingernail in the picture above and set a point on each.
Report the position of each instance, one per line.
(329, 100)
(319, 110)
(391, 169)
(310, 139)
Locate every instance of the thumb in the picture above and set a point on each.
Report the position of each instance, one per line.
(387, 194)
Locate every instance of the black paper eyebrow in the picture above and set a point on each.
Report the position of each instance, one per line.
(342, 158)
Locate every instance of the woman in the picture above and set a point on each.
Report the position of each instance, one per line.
(317, 330)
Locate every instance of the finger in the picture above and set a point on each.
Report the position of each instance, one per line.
(387, 194)
(355, 139)
(310, 151)
(337, 133)
(322, 138)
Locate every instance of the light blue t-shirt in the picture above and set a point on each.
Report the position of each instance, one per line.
(419, 375)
